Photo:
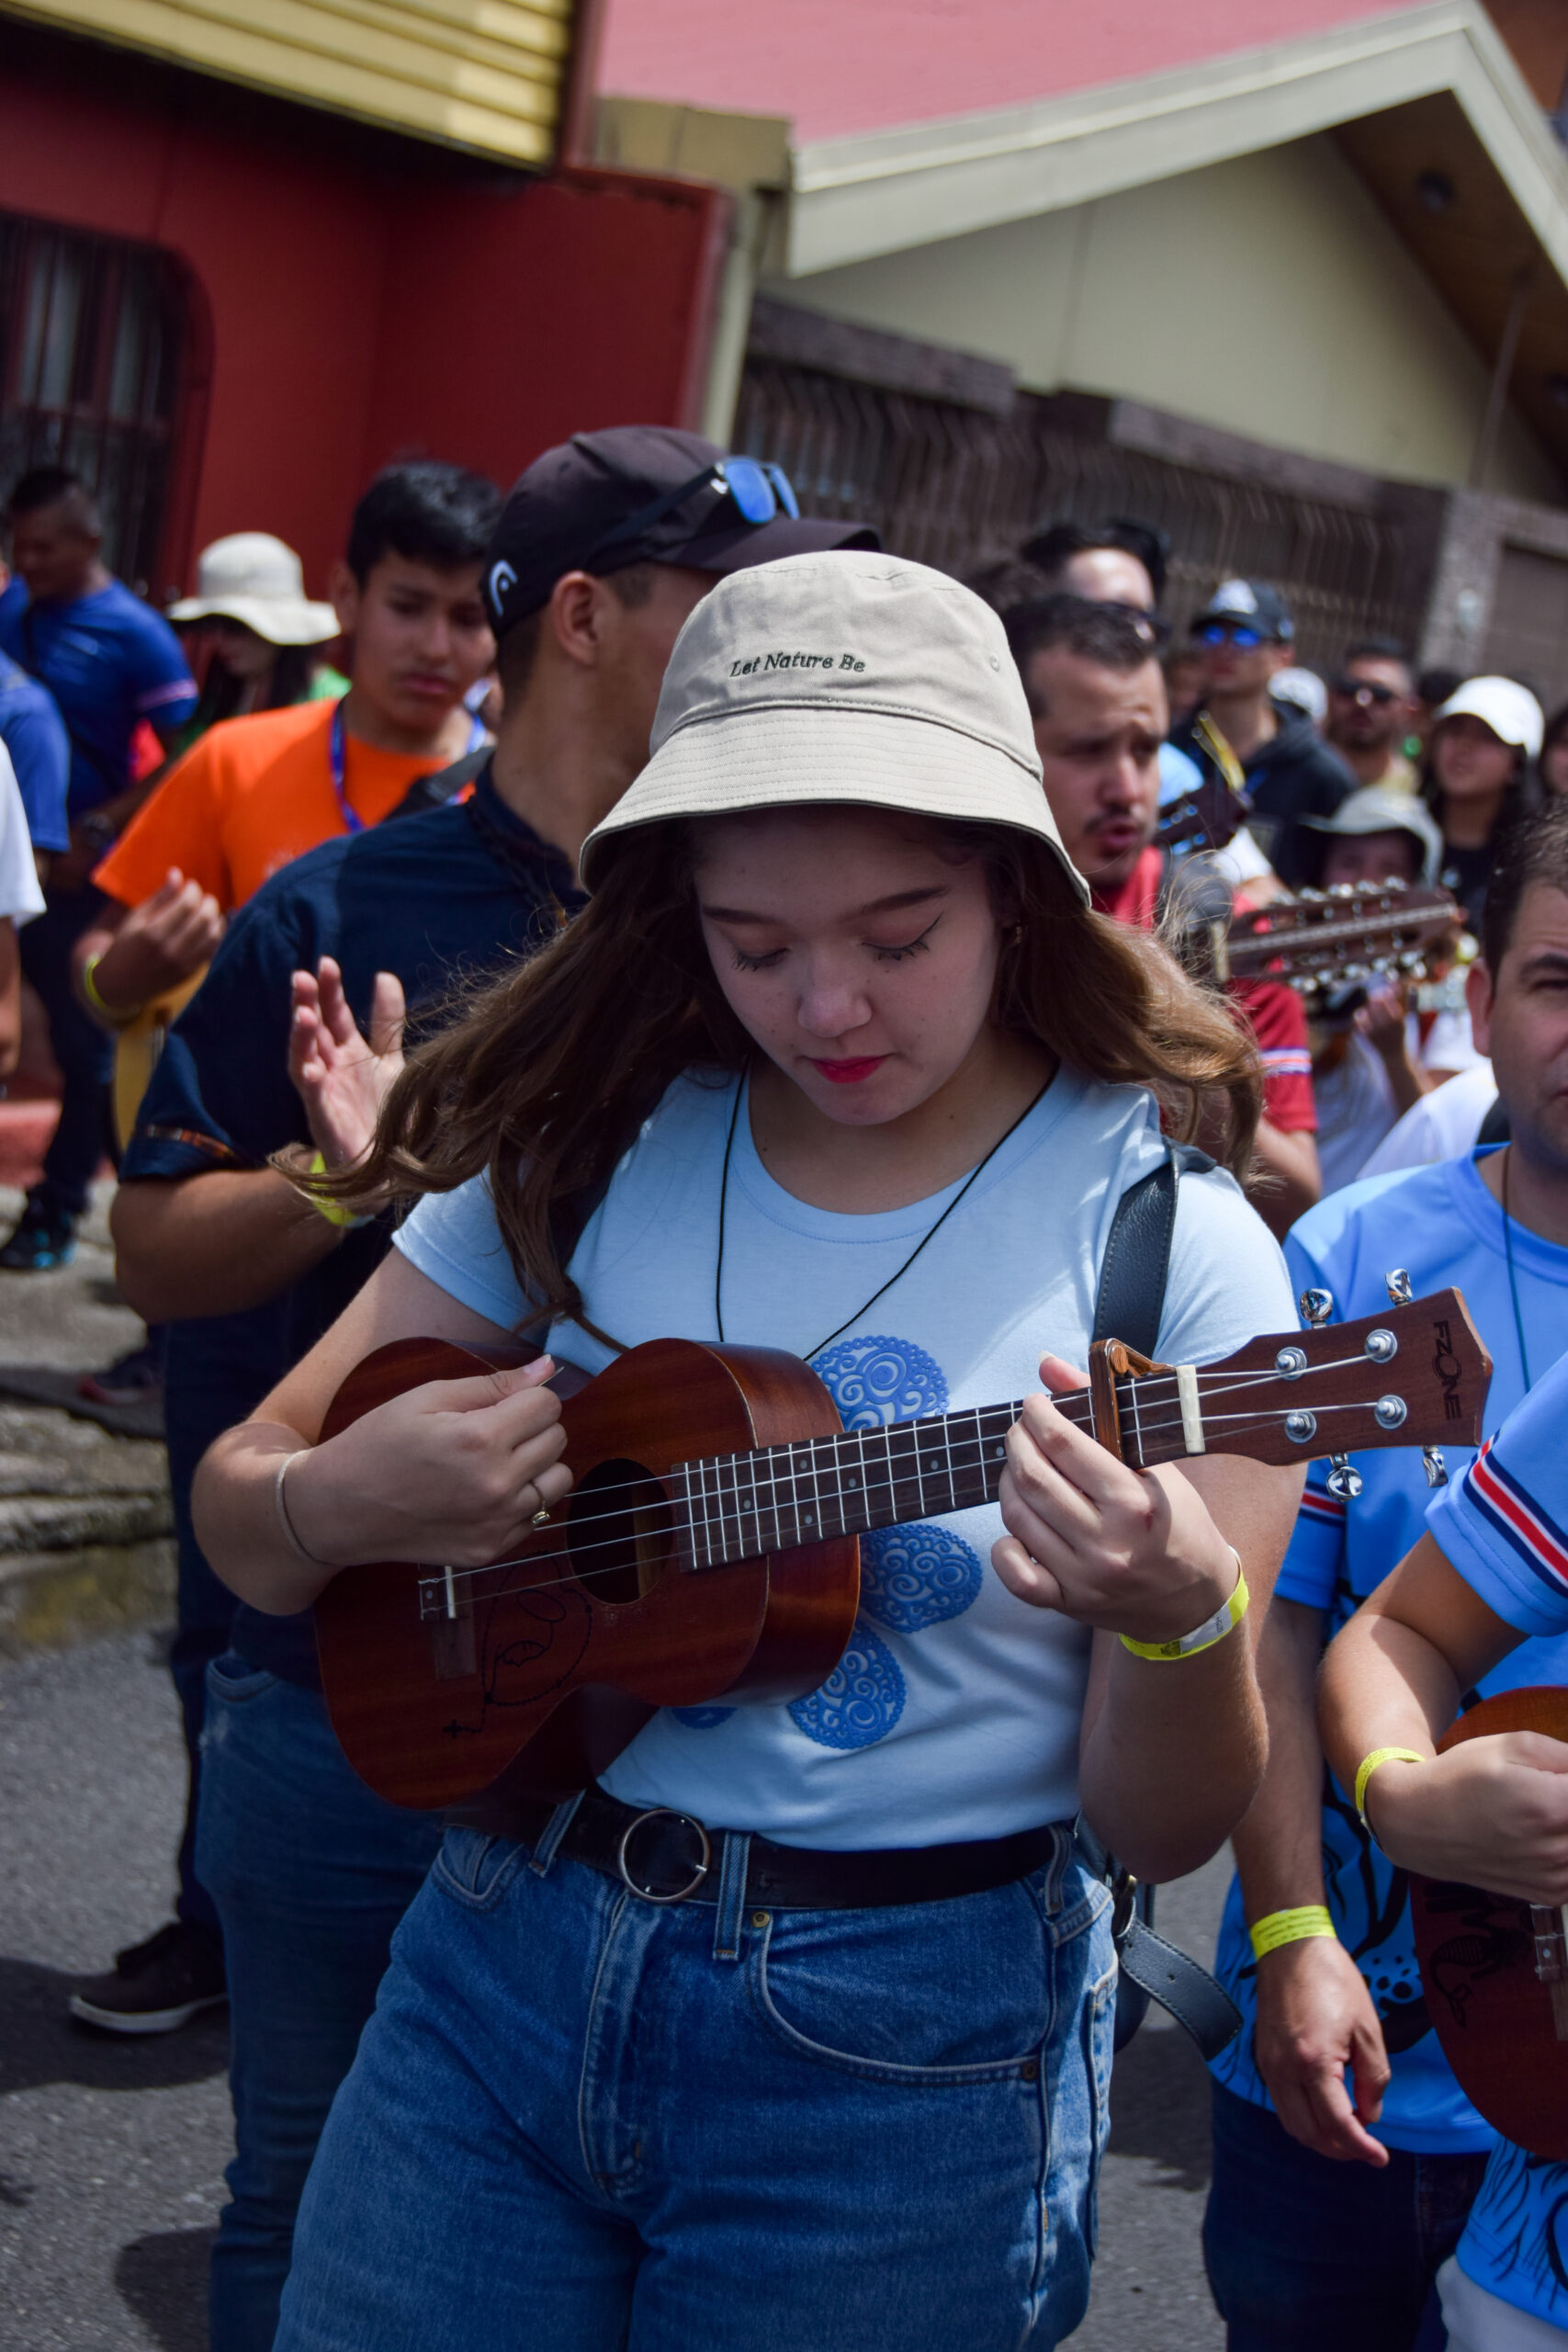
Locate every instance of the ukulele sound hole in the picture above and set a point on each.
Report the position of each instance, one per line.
(618, 1531)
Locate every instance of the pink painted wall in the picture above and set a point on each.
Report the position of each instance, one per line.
(839, 66)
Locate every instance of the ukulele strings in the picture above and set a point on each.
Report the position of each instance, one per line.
(1209, 1386)
(436, 1583)
(773, 1483)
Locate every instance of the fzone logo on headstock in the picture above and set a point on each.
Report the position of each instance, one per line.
(1446, 1365)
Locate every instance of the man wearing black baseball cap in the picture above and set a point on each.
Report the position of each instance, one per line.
(604, 548)
(1245, 634)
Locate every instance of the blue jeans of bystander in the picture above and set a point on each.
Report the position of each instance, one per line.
(1304, 2253)
(587, 2122)
(311, 1874)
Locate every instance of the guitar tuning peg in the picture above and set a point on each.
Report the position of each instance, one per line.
(1397, 1285)
(1344, 1483)
(1317, 1306)
(1433, 1465)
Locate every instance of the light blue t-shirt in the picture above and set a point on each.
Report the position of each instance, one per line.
(954, 1713)
(1505, 1527)
(1442, 1226)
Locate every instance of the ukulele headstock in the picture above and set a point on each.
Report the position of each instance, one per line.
(1415, 1376)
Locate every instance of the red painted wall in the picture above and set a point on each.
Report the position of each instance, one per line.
(351, 314)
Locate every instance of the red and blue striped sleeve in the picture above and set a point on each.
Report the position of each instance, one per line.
(1503, 1525)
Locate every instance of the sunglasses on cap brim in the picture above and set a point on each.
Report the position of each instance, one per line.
(758, 489)
(1241, 633)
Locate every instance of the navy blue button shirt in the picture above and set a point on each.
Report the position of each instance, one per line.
(434, 897)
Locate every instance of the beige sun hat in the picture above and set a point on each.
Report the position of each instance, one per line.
(840, 676)
(253, 578)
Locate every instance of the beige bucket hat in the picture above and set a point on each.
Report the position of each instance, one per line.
(253, 578)
(841, 676)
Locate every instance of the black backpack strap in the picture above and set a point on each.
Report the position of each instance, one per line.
(434, 790)
(1130, 1302)
(1130, 1307)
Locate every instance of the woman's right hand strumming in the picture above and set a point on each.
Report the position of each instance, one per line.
(454, 1471)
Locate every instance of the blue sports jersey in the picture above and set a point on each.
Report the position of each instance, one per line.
(1443, 1227)
(1505, 1527)
(34, 733)
(108, 660)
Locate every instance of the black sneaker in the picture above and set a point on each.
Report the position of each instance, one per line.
(156, 1986)
(44, 1237)
(133, 1379)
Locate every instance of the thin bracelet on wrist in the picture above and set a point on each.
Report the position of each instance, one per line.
(1202, 1637)
(291, 1533)
(1295, 1926)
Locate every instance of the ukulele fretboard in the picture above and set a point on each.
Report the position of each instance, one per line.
(739, 1505)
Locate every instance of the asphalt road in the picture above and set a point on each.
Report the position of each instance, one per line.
(111, 2151)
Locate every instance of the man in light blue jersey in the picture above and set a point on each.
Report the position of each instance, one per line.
(1334, 2203)
(1490, 1572)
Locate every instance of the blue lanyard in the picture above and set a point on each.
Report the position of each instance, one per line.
(337, 763)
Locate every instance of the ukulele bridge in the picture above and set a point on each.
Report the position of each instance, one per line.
(1548, 1928)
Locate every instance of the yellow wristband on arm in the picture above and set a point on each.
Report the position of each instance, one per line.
(1290, 1927)
(330, 1210)
(1214, 1628)
(90, 991)
(1369, 1766)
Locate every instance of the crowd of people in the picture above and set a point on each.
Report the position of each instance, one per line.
(886, 937)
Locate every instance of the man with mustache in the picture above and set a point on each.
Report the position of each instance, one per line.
(1098, 697)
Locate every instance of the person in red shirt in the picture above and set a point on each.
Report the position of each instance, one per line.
(1098, 697)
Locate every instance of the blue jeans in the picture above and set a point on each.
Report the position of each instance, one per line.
(582, 2121)
(85, 1053)
(311, 1874)
(1304, 2253)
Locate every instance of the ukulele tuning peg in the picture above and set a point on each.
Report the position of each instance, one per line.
(1397, 1285)
(1433, 1465)
(1317, 1306)
(1344, 1483)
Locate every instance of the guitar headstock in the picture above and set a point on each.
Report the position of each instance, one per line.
(1415, 1376)
(1209, 817)
(1322, 938)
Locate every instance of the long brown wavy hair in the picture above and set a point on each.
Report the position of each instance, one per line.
(546, 1076)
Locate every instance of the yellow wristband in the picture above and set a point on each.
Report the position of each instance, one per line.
(1214, 1628)
(90, 991)
(1370, 1765)
(1290, 1927)
(330, 1210)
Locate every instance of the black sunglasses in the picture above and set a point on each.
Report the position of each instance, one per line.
(1239, 633)
(758, 489)
(1364, 690)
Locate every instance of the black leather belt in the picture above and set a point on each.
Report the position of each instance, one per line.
(668, 1857)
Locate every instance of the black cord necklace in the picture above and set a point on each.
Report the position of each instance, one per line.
(1513, 1278)
(930, 1235)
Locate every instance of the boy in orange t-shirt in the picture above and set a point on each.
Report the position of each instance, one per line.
(256, 793)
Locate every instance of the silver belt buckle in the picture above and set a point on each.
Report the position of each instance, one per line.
(668, 1813)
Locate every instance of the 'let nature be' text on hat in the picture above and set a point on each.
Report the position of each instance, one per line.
(642, 493)
(252, 578)
(1509, 709)
(827, 679)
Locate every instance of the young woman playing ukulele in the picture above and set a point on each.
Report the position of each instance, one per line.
(866, 1080)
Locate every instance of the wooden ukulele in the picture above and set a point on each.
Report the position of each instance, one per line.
(1495, 1971)
(709, 1545)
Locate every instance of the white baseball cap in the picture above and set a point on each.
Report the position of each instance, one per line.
(841, 677)
(1509, 709)
(253, 578)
